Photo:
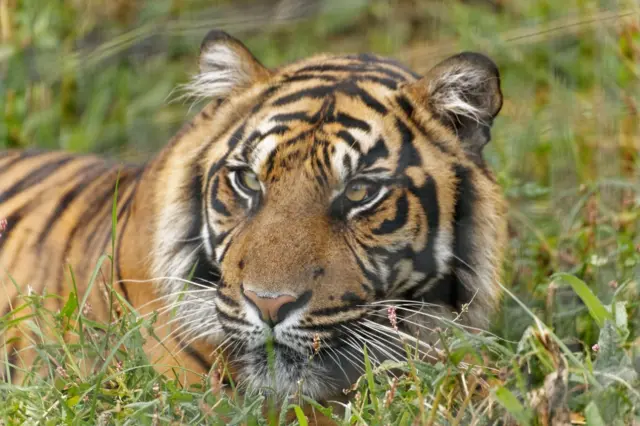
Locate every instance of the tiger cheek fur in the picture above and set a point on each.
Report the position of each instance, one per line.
(300, 205)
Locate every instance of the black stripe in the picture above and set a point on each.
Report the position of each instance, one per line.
(392, 225)
(377, 152)
(291, 116)
(427, 194)
(67, 198)
(463, 218)
(194, 196)
(205, 273)
(409, 110)
(233, 141)
(308, 77)
(123, 228)
(450, 289)
(327, 312)
(35, 177)
(22, 155)
(227, 300)
(256, 137)
(206, 365)
(346, 164)
(368, 57)
(270, 161)
(216, 204)
(357, 67)
(372, 278)
(365, 96)
(386, 82)
(349, 121)
(229, 319)
(311, 92)
(123, 206)
(389, 83)
(123, 287)
(349, 139)
(102, 223)
(408, 154)
(92, 209)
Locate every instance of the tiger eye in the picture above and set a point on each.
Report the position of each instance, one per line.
(357, 192)
(250, 181)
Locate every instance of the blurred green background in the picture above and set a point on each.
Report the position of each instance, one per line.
(100, 76)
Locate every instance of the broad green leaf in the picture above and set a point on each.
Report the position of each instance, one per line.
(509, 401)
(592, 414)
(596, 308)
(71, 305)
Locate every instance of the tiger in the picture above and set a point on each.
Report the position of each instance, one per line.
(298, 208)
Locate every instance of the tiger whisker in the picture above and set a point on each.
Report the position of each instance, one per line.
(169, 278)
(178, 293)
(446, 320)
(401, 335)
(382, 345)
(331, 352)
(392, 334)
(354, 344)
(178, 329)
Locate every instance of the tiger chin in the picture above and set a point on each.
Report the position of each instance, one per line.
(284, 222)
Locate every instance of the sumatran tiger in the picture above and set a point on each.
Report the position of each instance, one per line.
(296, 208)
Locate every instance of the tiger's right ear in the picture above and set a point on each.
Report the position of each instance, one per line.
(463, 92)
(226, 65)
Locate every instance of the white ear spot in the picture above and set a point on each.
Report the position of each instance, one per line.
(453, 92)
(221, 71)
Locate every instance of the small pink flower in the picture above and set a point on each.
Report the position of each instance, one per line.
(393, 318)
(613, 284)
(595, 347)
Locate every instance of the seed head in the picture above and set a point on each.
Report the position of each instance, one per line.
(316, 343)
(393, 318)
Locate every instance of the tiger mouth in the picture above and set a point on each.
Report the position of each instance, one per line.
(279, 369)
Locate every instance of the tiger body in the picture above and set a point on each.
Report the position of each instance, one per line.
(302, 202)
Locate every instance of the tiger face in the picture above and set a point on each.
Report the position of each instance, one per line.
(328, 191)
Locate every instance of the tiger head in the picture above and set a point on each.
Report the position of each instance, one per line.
(320, 197)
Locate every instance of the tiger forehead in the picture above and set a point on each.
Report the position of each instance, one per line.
(337, 106)
(322, 138)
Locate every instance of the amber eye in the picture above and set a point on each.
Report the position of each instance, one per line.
(249, 181)
(358, 192)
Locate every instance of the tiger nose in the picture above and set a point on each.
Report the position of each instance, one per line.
(273, 308)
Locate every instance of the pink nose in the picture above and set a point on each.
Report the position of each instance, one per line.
(270, 307)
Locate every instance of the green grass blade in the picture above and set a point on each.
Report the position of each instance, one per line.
(370, 381)
(302, 419)
(596, 308)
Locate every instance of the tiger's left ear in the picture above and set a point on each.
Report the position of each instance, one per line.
(463, 92)
(226, 65)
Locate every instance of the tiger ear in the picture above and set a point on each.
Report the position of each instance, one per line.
(226, 65)
(463, 92)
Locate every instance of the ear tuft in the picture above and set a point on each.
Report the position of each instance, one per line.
(465, 85)
(463, 92)
(226, 65)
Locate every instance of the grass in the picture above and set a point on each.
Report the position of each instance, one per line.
(98, 76)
